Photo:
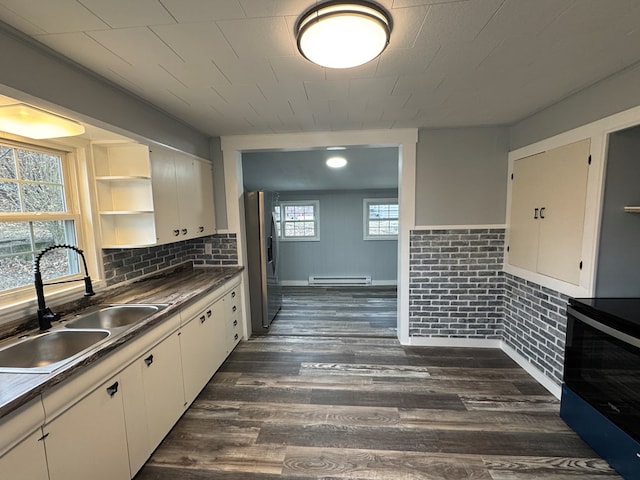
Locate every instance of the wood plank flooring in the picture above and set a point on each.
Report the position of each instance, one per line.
(330, 394)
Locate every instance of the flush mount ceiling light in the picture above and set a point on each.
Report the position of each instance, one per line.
(31, 122)
(336, 162)
(343, 34)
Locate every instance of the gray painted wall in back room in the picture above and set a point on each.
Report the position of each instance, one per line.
(461, 176)
(341, 249)
(618, 274)
(87, 96)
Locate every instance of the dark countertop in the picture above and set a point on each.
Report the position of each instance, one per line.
(178, 288)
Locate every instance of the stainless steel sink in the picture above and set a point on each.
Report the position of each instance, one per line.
(114, 316)
(48, 351)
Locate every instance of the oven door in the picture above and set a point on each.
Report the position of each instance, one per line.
(602, 365)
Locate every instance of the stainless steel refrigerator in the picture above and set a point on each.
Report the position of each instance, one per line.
(262, 259)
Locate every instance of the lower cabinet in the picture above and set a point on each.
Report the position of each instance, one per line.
(153, 398)
(89, 440)
(27, 459)
(133, 399)
(202, 349)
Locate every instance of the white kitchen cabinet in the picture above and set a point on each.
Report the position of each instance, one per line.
(163, 388)
(546, 224)
(22, 453)
(203, 348)
(233, 318)
(89, 439)
(124, 194)
(182, 195)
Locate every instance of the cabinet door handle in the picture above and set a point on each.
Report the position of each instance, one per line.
(208, 313)
(234, 308)
(148, 361)
(201, 228)
(176, 233)
(184, 231)
(112, 390)
(202, 318)
(535, 213)
(542, 212)
(235, 337)
(235, 323)
(233, 294)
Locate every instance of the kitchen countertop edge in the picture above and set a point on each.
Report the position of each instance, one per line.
(179, 289)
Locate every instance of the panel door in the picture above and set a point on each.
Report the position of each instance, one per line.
(564, 199)
(523, 224)
(135, 415)
(26, 460)
(89, 440)
(206, 223)
(163, 387)
(165, 202)
(197, 344)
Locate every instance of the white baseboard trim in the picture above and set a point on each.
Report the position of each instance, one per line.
(453, 342)
(539, 376)
(305, 283)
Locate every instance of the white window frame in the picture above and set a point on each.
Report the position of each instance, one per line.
(365, 217)
(20, 302)
(316, 220)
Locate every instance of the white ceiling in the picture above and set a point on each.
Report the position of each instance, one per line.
(231, 66)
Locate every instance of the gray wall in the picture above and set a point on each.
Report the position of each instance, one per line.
(37, 71)
(461, 176)
(611, 95)
(219, 189)
(341, 249)
(618, 273)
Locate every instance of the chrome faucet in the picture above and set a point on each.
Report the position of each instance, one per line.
(45, 315)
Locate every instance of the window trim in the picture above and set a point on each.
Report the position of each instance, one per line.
(316, 220)
(20, 302)
(365, 217)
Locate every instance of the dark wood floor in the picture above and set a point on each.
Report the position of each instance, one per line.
(331, 394)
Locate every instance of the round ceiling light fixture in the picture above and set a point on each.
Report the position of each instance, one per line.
(343, 34)
(336, 162)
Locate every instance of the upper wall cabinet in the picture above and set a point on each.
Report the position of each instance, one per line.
(546, 224)
(182, 195)
(151, 197)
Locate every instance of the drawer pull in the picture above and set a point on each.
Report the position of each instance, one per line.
(176, 233)
(233, 294)
(148, 361)
(184, 231)
(234, 308)
(112, 390)
(208, 313)
(202, 318)
(235, 323)
(235, 337)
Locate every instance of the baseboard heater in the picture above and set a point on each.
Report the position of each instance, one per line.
(340, 280)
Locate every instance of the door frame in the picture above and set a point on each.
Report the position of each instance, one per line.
(405, 139)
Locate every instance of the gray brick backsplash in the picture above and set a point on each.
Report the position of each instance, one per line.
(122, 264)
(458, 289)
(455, 285)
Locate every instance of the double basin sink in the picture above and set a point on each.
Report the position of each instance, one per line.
(46, 352)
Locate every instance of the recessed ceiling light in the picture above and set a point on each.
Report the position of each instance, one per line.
(336, 162)
(31, 122)
(343, 34)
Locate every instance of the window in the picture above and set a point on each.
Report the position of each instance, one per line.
(34, 214)
(380, 218)
(299, 220)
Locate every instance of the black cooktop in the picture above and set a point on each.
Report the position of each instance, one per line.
(623, 313)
